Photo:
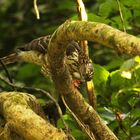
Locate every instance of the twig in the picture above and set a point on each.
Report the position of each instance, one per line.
(80, 123)
(121, 15)
(7, 73)
(81, 10)
(36, 9)
(83, 17)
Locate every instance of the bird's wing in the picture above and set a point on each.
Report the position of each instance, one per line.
(33, 52)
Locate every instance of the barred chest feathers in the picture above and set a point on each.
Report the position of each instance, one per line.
(79, 64)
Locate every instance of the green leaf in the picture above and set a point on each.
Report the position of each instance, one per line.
(76, 132)
(118, 82)
(67, 5)
(137, 137)
(135, 4)
(68, 120)
(28, 71)
(122, 100)
(129, 66)
(135, 130)
(116, 79)
(134, 100)
(41, 101)
(96, 18)
(115, 63)
(107, 114)
(101, 74)
(79, 135)
(107, 8)
(135, 113)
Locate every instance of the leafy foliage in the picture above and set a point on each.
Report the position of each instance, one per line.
(121, 95)
(117, 77)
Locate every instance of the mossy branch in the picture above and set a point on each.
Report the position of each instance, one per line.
(78, 30)
(101, 33)
(19, 111)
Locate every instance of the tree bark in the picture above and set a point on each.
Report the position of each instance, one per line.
(22, 122)
(101, 33)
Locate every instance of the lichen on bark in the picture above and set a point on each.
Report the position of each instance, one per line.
(22, 122)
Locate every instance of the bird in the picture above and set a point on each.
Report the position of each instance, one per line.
(79, 64)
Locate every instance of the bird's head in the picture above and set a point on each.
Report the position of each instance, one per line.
(86, 71)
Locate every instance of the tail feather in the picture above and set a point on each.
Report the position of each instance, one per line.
(11, 58)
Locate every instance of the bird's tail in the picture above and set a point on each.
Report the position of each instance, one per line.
(11, 58)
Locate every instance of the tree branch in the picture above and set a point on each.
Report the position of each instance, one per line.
(14, 86)
(27, 125)
(101, 33)
(78, 30)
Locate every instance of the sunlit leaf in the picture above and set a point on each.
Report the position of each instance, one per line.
(115, 63)
(129, 66)
(137, 59)
(136, 113)
(118, 82)
(107, 8)
(101, 74)
(126, 74)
